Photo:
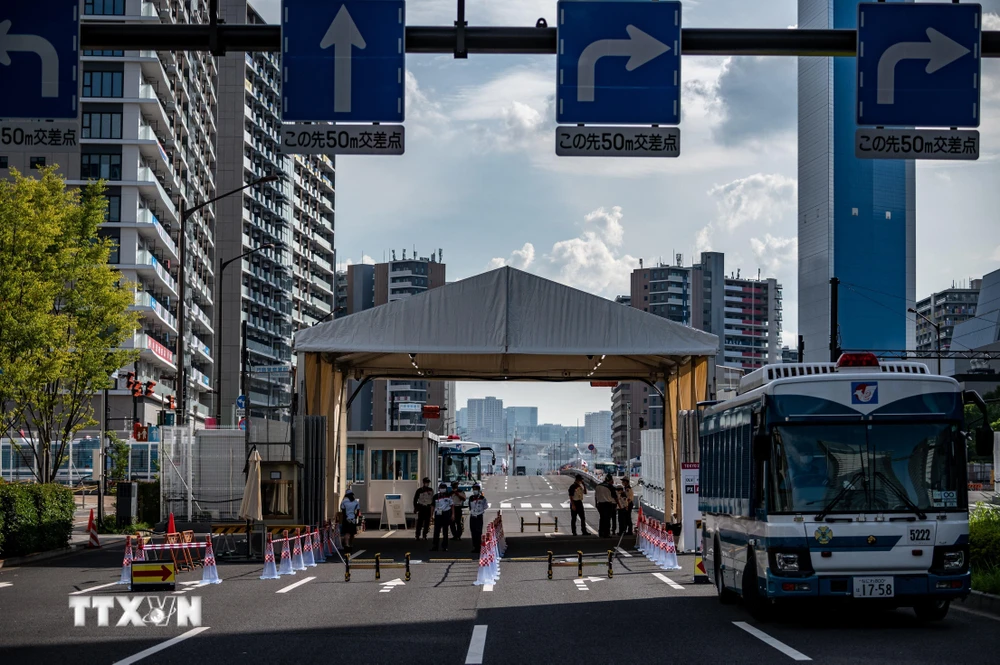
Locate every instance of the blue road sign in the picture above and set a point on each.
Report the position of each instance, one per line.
(919, 64)
(241, 402)
(343, 61)
(39, 59)
(619, 62)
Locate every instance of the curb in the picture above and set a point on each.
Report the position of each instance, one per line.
(982, 602)
(29, 559)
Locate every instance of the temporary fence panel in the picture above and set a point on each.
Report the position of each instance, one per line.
(202, 473)
(652, 469)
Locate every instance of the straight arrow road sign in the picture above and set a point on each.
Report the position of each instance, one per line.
(343, 35)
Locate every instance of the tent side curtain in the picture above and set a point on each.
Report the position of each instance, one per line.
(326, 389)
(685, 388)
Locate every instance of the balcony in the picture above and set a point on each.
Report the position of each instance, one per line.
(200, 380)
(146, 261)
(155, 352)
(150, 227)
(146, 303)
(150, 186)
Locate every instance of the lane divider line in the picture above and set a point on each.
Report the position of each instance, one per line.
(477, 646)
(487, 587)
(623, 553)
(771, 641)
(163, 645)
(297, 584)
(663, 578)
(93, 588)
(355, 555)
(387, 534)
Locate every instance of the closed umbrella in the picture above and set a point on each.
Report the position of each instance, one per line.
(250, 508)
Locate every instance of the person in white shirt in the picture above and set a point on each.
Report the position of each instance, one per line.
(350, 512)
(443, 509)
(477, 508)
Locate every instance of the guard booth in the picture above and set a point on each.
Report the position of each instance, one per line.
(381, 463)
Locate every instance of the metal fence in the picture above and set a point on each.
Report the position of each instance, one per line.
(980, 472)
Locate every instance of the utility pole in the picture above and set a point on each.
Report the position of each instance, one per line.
(802, 349)
(834, 321)
(937, 331)
(628, 432)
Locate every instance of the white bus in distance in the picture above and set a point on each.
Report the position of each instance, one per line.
(838, 480)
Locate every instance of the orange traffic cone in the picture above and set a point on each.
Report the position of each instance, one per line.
(92, 530)
(171, 527)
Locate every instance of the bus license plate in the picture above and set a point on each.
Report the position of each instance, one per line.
(874, 587)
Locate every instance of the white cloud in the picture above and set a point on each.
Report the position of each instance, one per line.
(592, 261)
(991, 21)
(996, 254)
(758, 198)
(365, 259)
(774, 253)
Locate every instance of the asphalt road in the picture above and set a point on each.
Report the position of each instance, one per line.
(641, 615)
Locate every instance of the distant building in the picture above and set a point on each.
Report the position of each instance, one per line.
(946, 308)
(626, 439)
(981, 333)
(789, 355)
(521, 416)
(486, 418)
(624, 300)
(462, 419)
(597, 430)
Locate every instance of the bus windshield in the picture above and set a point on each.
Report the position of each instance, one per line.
(461, 467)
(871, 467)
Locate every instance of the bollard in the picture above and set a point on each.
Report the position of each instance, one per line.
(539, 524)
(378, 571)
(611, 571)
(347, 567)
(550, 564)
(579, 563)
(556, 520)
(522, 525)
(407, 566)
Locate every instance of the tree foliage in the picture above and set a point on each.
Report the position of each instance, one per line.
(64, 313)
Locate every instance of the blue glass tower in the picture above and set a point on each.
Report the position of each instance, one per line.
(857, 218)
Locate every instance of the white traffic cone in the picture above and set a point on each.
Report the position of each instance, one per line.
(95, 542)
(318, 554)
(337, 544)
(270, 570)
(307, 550)
(126, 577)
(482, 577)
(297, 562)
(328, 541)
(495, 559)
(286, 557)
(670, 554)
(140, 550)
(210, 574)
(503, 540)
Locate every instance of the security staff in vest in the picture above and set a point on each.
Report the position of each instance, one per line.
(423, 504)
(458, 500)
(477, 508)
(443, 510)
(350, 510)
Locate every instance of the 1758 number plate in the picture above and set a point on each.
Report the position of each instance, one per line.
(874, 587)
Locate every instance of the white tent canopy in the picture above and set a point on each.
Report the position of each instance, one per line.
(503, 324)
(506, 323)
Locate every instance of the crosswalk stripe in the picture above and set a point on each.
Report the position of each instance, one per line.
(546, 505)
(505, 505)
(526, 505)
(564, 504)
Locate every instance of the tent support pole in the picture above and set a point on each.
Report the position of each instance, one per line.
(357, 390)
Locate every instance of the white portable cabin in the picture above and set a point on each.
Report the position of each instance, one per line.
(380, 463)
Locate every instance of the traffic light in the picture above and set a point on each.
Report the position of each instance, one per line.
(171, 403)
(431, 412)
(149, 388)
(642, 422)
(136, 389)
(130, 380)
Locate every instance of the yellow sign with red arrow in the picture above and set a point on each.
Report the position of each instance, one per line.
(153, 575)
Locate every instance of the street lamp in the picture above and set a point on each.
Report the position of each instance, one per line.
(937, 330)
(185, 214)
(218, 326)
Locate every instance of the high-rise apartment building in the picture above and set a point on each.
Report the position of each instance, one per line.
(597, 430)
(947, 309)
(280, 290)
(857, 217)
(148, 128)
(486, 418)
(521, 417)
(625, 433)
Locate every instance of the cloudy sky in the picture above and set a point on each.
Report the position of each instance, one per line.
(480, 178)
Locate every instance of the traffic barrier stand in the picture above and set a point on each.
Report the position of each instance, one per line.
(297, 561)
(140, 550)
(498, 530)
(540, 523)
(209, 574)
(580, 563)
(307, 550)
(670, 553)
(270, 570)
(126, 577)
(494, 556)
(483, 575)
(286, 557)
(95, 542)
(337, 543)
(375, 564)
(318, 552)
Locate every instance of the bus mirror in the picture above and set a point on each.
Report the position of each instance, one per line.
(984, 442)
(762, 447)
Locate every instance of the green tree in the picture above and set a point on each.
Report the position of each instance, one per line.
(118, 451)
(81, 311)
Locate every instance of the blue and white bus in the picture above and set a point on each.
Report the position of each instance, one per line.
(462, 461)
(837, 480)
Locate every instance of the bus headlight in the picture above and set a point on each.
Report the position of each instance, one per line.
(787, 563)
(953, 560)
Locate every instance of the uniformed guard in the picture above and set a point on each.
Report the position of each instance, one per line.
(458, 500)
(423, 505)
(443, 509)
(477, 508)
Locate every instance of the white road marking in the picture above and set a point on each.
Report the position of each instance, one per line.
(770, 641)
(592, 529)
(487, 587)
(546, 505)
(3, 584)
(663, 578)
(976, 612)
(292, 586)
(355, 555)
(623, 552)
(93, 588)
(505, 505)
(388, 534)
(477, 646)
(564, 504)
(581, 585)
(160, 647)
(526, 505)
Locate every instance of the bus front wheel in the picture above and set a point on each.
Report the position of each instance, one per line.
(932, 610)
(726, 596)
(759, 606)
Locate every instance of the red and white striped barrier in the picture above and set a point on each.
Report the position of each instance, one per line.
(210, 574)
